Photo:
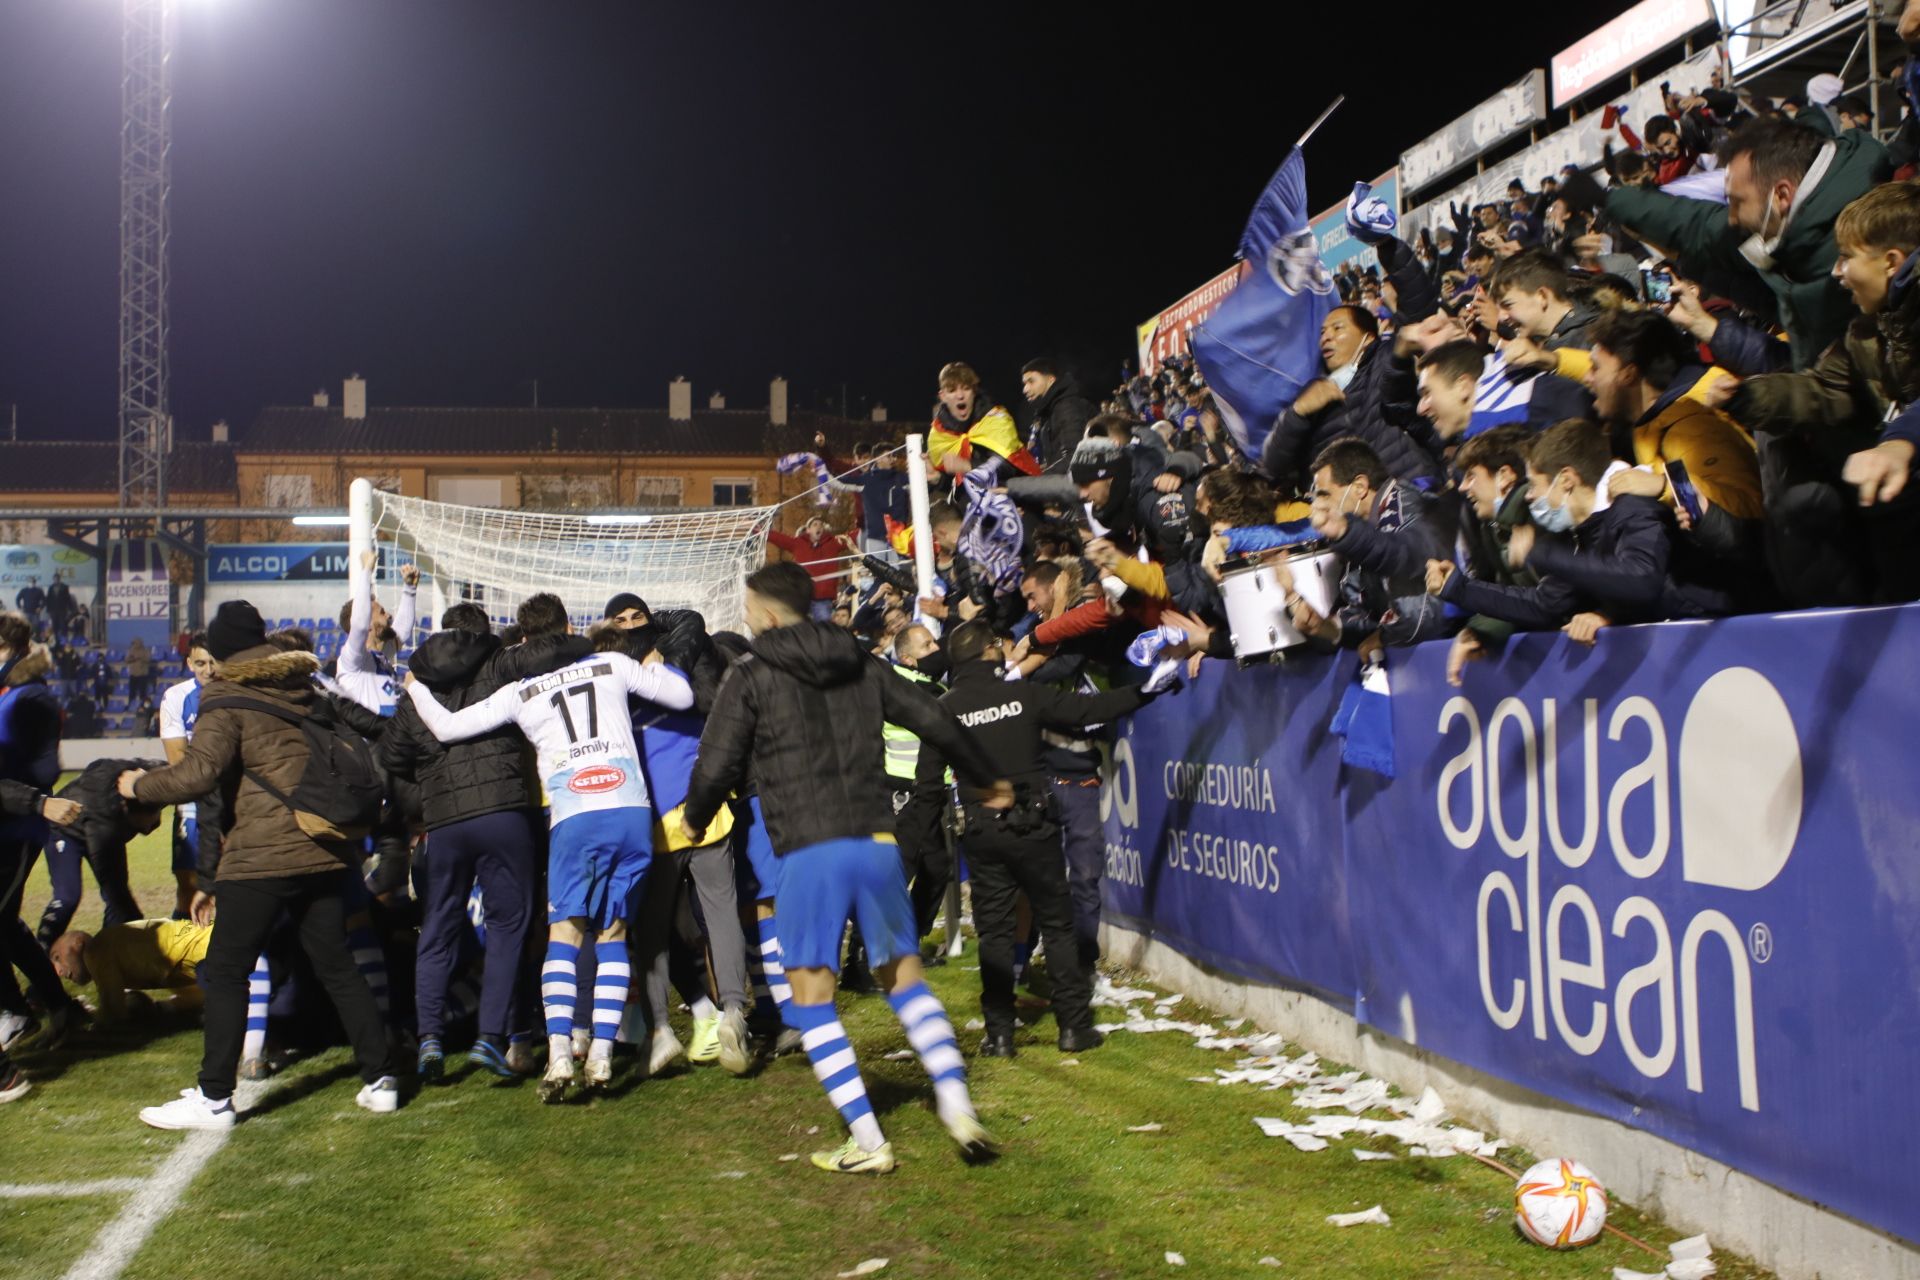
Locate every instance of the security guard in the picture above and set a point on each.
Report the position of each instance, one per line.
(1018, 850)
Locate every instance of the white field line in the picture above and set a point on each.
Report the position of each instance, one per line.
(154, 1197)
(70, 1190)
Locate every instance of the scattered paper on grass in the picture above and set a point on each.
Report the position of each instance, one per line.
(1691, 1247)
(976, 1024)
(1154, 1127)
(1235, 1025)
(1364, 1217)
(1269, 1261)
(791, 1155)
(866, 1268)
(1625, 1273)
(731, 1173)
(1175, 1260)
(1691, 1269)
(1361, 1153)
(899, 1055)
(812, 1129)
(1026, 1119)
(1069, 1062)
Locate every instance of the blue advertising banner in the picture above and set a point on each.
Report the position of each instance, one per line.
(1219, 839)
(277, 562)
(1673, 879)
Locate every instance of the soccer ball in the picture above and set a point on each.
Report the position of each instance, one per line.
(1560, 1204)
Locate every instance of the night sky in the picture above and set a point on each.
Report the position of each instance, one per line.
(455, 199)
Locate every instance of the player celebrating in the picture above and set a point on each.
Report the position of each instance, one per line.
(807, 708)
(362, 673)
(602, 819)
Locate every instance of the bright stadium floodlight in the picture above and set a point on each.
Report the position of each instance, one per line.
(311, 522)
(619, 519)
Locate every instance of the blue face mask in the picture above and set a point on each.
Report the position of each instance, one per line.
(1550, 519)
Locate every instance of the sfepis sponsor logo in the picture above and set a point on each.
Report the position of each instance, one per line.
(597, 780)
(1540, 942)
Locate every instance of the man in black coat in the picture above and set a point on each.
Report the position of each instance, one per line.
(1060, 413)
(806, 710)
(480, 803)
(99, 834)
(1017, 850)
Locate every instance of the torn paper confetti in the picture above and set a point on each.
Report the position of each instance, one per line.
(1622, 1273)
(1069, 1062)
(976, 1024)
(1691, 1269)
(1269, 1261)
(731, 1173)
(1154, 1127)
(866, 1268)
(791, 1155)
(1361, 1153)
(1691, 1247)
(1364, 1217)
(1175, 1260)
(899, 1055)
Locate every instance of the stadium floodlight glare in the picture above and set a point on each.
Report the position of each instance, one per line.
(618, 519)
(321, 521)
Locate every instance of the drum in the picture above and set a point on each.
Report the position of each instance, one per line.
(1257, 616)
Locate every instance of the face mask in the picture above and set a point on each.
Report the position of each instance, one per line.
(1550, 519)
(1342, 376)
(1758, 248)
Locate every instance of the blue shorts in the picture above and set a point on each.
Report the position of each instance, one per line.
(594, 860)
(822, 886)
(756, 868)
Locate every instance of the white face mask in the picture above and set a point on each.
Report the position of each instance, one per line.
(1344, 374)
(1758, 248)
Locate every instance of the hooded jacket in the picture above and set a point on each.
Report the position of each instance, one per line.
(494, 772)
(29, 735)
(1060, 418)
(103, 823)
(262, 839)
(1799, 289)
(805, 711)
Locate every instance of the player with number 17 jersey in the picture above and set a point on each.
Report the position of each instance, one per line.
(576, 718)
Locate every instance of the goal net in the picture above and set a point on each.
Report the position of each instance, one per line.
(671, 559)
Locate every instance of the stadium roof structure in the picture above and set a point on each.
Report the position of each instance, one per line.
(389, 431)
(68, 466)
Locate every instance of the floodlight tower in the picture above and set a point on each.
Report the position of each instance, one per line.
(146, 103)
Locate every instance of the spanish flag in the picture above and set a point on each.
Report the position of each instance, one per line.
(994, 432)
(900, 537)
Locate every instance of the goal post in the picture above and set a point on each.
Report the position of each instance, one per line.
(673, 559)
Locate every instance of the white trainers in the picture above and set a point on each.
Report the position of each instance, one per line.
(382, 1097)
(191, 1110)
(736, 1046)
(666, 1050)
(13, 1084)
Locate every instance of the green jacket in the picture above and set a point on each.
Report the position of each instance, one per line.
(1799, 292)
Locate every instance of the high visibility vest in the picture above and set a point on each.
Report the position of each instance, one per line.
(903, 745)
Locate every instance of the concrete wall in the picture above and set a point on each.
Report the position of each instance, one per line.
(1688, 1191)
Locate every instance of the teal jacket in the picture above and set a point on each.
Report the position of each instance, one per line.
(1799, 292)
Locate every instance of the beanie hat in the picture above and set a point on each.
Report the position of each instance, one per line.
(235, 628)
(1098, 458)
(624, 601)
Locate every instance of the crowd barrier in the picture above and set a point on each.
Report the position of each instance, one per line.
(1673, 879)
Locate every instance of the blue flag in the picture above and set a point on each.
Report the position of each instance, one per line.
(1261, 346)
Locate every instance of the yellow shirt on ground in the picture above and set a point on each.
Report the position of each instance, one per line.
(146, 955)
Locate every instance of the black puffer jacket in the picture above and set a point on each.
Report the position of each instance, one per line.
(489, 774)
(1060, 418)
(805, 710)
(103, 822)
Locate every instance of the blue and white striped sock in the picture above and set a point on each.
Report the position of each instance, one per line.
(763, 1006)
(557, 992)
(930, 1032)
(372, 961)
(777, 985)
(612, 972)
(827, 1048)
(259, 994)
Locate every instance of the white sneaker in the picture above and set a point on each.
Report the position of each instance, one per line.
(559, 1078)
(382, 1097)
(12, 1027)
(736, 1054)
(666, 1049)
(13, 1084)
(191, 1110)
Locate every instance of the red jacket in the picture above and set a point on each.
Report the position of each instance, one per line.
(825, 561)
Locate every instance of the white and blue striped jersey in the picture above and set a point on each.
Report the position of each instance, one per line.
(179, 709)
(576, 718)
(361, 675)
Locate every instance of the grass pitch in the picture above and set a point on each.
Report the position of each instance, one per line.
(683, 1176)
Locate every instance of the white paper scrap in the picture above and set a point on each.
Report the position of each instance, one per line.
(1691, 1269)
(1154, 1127)
(866, 1268)
(1691, 1247)
(1365, 1216)
(1269, 1261)
(1363, 1154)
(976, 1024)
(1175, 1260)
(1623, 1273)
(790, 1156)
(899, 1055)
